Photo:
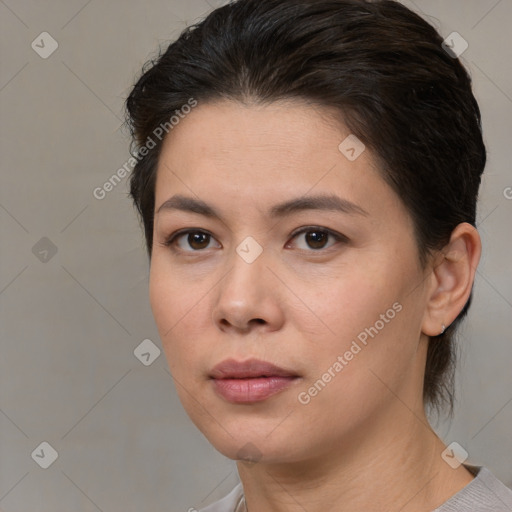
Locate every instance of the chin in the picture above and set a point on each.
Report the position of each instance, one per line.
(246, 441)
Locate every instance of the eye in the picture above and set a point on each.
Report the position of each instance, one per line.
(196, 239)
(317, 238)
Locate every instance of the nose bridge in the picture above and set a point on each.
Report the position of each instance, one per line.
(247, 268)
(245, 293)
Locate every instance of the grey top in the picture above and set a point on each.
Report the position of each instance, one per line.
(485, 493)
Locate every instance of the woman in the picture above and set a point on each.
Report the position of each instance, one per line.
(307, 176)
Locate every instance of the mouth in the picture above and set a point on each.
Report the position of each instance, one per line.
(250, 381)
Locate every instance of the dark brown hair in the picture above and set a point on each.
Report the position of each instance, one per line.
(380, 65)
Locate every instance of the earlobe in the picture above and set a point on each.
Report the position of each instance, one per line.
(453, 275)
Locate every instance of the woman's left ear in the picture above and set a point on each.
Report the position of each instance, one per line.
(452, 278)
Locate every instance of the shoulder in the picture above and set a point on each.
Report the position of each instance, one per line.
(485, 493)
(228, 503)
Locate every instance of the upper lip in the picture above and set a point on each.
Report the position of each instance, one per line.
(231, 369)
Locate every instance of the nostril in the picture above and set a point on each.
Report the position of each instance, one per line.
(225, 322)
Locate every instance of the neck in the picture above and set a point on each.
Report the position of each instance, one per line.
(395, 464)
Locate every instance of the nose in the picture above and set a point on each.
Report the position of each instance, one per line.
(248, 298)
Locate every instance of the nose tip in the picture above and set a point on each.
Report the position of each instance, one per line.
(246, 299)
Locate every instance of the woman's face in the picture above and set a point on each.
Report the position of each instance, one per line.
(329, 290)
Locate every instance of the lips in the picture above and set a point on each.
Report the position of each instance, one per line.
(250, 381)
(231, 369)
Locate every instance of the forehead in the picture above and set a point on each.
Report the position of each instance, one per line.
(285, 126)
(236, 155)
(232, 141)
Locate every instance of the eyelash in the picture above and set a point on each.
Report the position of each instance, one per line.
(338, 237)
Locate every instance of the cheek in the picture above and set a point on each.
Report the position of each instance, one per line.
(172, 294)
(348, 300)
(179, 312)
(365, 310)
(163, 293)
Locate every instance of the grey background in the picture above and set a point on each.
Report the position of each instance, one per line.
(70, 324)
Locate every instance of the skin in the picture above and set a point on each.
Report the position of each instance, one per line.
(363, 443)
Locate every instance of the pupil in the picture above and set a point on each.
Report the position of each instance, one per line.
(316, 239)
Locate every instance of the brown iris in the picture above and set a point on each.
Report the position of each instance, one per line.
(201, 239)
(316, 239)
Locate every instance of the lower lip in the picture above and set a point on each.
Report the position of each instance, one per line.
(247, 391)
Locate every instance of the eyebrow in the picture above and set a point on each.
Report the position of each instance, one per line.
(318, 202)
